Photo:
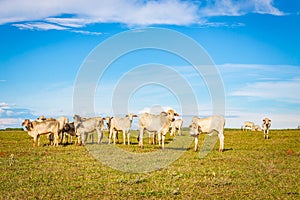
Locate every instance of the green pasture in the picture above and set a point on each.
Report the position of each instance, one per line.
(249, 168)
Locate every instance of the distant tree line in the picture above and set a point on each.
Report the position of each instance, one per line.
(12, 129)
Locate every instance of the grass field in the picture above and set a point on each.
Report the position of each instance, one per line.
(249, 168)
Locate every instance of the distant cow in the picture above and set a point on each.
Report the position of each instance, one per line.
(257, 128)
(266, 126)
(120, 124)
(248, 126)
(176, 125)
(208, 125)
(159, 124)
(36, 129)
(84, 126)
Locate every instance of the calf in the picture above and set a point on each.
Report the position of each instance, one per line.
(248, 126)
(89, 125)
(176, 125)
(35, 129)
(208, 125)
(121, 124)
(159, 124)
(69, 130)
(266, 126)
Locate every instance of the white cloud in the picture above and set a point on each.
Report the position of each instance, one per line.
(39, 26)
(59, 15)
(238, 8)
(92, 11)
(86, 32)
(10, 122)
(285, 91)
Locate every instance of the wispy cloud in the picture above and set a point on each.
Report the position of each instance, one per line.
(75, 14)
(39, 26)
(286, 91)
(238, 8)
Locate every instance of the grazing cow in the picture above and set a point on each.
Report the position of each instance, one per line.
(121, 124)
(159, 124)
(69, 130)
(248, 126)
(208, 125)
(266, 126)
(176, 125)
(62, 121)
(84, 126)
(35, 129)
(256, 128)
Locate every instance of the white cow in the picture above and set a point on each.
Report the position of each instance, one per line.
(248, 126)
(176, 125)
(208, 125)
(84, 126)
(120, 124)
(266, 126)
(159, 124)
(36, 129)
(62, 121)
(256, 128)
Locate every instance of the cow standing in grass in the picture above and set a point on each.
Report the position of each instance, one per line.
(208, 125)
(266, 126)
(159, 124)
(85, 126)
(120, 124)
(36, 129)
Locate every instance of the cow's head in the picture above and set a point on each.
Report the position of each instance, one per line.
(194, 129)
(131, 116)
(267, 122)
(171, 114)
(28, 125)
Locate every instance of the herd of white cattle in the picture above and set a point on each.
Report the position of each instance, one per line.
(254, 127)
(57, 130)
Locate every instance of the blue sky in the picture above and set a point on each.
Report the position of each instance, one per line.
(254, 44)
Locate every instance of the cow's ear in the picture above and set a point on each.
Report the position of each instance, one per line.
(176, 114)
(134, 116)
(126, 115)
(163, 114)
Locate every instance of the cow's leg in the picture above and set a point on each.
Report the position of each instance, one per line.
(196, 143)
(124, 137)
(221, 138)
(82, 138)
(100, 136)
(115, 136)
(128, 137)
(110, 135)
(61, 135)
(35, 140)
(141, 138)
(163, 136)
(267, 133)
(159, 138)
